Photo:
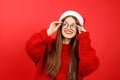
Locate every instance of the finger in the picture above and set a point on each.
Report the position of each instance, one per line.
(80, 26)
(79, 29)
(82, 29)
(57, 22)
(59, 25)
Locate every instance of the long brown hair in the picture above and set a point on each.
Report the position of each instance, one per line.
(54, 57)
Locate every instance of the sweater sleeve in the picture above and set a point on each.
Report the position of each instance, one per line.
(36, 45)
(88, 60)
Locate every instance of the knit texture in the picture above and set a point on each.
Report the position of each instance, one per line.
(40, 43)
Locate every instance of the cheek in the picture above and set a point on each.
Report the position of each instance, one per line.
(74, 33)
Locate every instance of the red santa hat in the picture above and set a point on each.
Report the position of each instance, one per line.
(72, 13)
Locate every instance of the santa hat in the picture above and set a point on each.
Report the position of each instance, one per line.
(72, 13)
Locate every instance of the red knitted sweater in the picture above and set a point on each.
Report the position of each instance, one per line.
(36, 49)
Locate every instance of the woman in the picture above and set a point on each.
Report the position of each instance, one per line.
(67, 57)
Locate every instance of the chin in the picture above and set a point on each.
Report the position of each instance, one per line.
(68, 36)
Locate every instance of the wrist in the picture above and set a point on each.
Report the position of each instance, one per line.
(48, 32)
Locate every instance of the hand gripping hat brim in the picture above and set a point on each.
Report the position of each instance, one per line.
(73, 13)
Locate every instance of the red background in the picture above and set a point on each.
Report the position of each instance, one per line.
(19, 19)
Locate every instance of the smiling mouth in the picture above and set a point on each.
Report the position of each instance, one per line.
(68, 31)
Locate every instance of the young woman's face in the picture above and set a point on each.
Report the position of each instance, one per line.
(69, 28)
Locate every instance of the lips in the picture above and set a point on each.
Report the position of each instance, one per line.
(68, 31)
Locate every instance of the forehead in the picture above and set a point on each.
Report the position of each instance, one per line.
(70, 20)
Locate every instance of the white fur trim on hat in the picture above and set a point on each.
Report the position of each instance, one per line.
(73, 13)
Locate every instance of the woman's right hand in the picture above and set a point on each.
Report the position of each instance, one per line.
(53, 27)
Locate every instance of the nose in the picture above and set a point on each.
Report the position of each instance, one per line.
(69, 27)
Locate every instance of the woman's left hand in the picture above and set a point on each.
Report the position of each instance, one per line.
(81, 29)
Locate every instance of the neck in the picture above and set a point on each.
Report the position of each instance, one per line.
(66, 41)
